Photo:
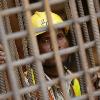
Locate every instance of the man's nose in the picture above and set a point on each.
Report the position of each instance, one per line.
(59, 47)
(59, 44)
(51, 47)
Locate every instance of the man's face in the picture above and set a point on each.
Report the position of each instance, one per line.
(45, 46)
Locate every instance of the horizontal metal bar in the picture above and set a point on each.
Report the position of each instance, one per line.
(24, 61)
(96, 93)
(9, 67)
(35, 87)
(78, 74)
(55, 81)
(31, 7)
(29, 89)
(83, 97)
(16, 35)
(67, 50)
(29, 60)
(2, 66)
(21, 34)
(20, 9)
(6, 95)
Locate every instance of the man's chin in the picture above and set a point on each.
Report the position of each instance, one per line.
(50, 63)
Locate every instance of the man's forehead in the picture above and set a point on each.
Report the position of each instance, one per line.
(47, 33)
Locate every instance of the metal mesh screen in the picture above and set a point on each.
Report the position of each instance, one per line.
(22, 52)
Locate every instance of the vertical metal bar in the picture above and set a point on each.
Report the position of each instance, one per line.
(35, 49)
(81, 49)
(97, 8)
(28, 66)
(97, 5)
(31, 69)
(13, 49)
(78, 63)
(2, 82)
(86, 34)
(20, 69)
(10, 70)
(95, 27)
(3, 86)
(55, 48)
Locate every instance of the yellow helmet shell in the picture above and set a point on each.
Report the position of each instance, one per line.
(39, 20)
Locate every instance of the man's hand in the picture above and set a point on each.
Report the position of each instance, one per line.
(2, 55)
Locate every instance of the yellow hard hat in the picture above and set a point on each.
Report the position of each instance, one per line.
(39, 20)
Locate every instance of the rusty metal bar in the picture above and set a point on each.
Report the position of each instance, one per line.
(5, 96)
(31, 7)
(77, 58)
(86, 34)
(56, 49)
(87, 39)
(81, 49)
(21, 34)
(14, 84)
(16, 35)
(20, 9)
(95, 27)
(48, 55)
(3, 74)
(97, 8)
(50, 83)
(33, 42)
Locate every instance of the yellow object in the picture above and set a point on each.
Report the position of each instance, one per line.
(39, 20)
(33, 77)
(76, 87)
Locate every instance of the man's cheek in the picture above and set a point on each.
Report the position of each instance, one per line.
(45, 50)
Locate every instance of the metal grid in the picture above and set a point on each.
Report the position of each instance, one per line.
(37, 58)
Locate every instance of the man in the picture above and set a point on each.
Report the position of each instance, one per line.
(44, 42)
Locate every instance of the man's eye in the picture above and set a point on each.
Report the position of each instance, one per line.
(60, 35)
(45, 41)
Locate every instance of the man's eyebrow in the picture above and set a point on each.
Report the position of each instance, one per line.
(60, 31)
(44, 37)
